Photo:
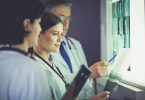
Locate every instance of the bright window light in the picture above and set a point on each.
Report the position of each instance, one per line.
(129, 66)
(115, 1)
(137, 33)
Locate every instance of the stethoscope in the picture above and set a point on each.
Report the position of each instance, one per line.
(71, 45)
(70, 42)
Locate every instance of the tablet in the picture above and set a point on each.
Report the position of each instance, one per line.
(79, 81)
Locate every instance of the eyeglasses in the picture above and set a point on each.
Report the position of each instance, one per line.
(63, 18)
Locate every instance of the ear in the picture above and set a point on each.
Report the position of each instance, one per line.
(27, 25)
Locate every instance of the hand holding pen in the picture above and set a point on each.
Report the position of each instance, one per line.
(99, 69)
(110, 60)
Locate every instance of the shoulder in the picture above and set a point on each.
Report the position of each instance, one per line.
(74, 41)
(24, 65)
(17, 62)
(22, 73)
(27, 61)
(19, 59)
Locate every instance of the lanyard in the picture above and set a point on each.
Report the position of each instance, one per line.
(69, 45)
(58, 72)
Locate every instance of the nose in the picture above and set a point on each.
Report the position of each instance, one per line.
(66, 23)
(59, 38)
(40, 28)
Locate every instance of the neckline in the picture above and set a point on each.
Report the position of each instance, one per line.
(50, 65)
(58, 72)
(13, 49)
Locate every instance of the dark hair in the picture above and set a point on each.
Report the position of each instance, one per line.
(12, 15)
(48, 20)
(53, 3)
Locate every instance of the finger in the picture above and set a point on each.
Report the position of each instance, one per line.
(102, 72)
(104, 94)
(105, 63)
(106, 97)
(101, 67)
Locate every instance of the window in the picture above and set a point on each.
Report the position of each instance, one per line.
(126, 34)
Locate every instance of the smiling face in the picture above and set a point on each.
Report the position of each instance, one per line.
(51, 39)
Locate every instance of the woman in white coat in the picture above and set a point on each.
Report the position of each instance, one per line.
(49, 41)
(20, 76)
(73, 48)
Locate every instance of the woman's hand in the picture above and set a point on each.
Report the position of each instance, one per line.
(101, 96)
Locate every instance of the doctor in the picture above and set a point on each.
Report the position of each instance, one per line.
(71, 55)
(49, 41)
(20, 76)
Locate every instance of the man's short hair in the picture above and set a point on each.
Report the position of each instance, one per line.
(12, 15)
(54, 3)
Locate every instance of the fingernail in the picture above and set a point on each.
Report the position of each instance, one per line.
(107, 92)
(107, 96)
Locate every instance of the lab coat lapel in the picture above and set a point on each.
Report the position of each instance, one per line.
(74, 58)
(60, 61)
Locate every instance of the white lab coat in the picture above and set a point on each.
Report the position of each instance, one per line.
(21, 78)
(77, 58)
(57, 85)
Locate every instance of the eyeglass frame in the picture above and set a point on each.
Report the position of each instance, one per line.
(63, 18)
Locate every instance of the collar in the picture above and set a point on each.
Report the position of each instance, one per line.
(13, 49)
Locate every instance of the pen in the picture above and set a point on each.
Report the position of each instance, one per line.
(112, 58)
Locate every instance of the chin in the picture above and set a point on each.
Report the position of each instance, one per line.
(65, 32)
(56, 50)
